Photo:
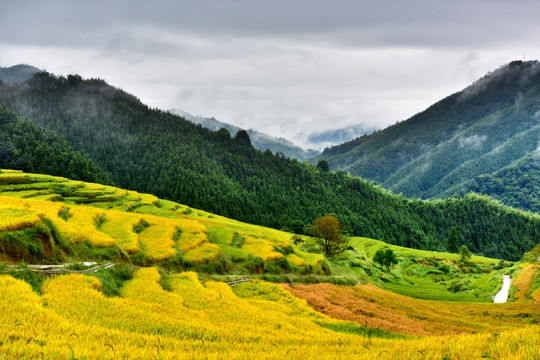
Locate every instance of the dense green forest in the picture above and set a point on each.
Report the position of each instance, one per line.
(27, 147)
(517, 184)
(156, 152)
(476, 132)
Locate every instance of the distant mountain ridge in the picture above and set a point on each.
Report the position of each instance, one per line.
(259, 140)
(17, 73)
(459, 143)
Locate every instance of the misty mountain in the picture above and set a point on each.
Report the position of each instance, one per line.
(259, 140)
(17, 73)
(157, 152)
(28, 147)
(330, 138)
(461, 143)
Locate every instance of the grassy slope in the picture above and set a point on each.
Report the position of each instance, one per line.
(224, 249)
(171, 234)
(424, 274)
(194, 317)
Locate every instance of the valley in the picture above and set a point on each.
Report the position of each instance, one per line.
(269, 180)
(127, 232)
(165, 296)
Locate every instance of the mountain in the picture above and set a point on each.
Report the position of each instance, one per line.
(330, 138)
(517, 184)
(458, 142)
(259, 140)
(17, 73)
(156, 152)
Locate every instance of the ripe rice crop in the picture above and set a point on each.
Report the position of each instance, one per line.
(193, 234)
(17, 218)
(206, 321)
(536, 296)
(523, 281)
(157, 239)
(203, 254)
(82, 226)
(311, 259)
(261, 247)
(119, 226)
(295, 260)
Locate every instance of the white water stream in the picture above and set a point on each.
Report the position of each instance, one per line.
(502, 295)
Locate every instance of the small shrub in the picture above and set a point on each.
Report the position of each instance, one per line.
(254, 264)
(284, 250)
(87, 251)
(325, 266)
(237, 240)
(459, 286)
(279, 266)
(220, 266)
(100, 220)
(64, 214)
(178, 235)
(139, 259)
(143, 224)
(35, 280)
(76, 267)
(176, 263)
(297, 240)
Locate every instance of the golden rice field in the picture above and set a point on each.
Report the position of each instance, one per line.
(106, 216)
(523, 281)
(74, 320)
(194, 319)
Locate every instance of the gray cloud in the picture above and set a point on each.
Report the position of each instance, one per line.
(289, 68)
(386, 23)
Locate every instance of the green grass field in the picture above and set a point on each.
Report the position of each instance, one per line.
(423, 274)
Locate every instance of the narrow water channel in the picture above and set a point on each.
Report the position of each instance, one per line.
(502, 295)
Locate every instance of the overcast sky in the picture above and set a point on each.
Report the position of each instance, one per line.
(288, 68)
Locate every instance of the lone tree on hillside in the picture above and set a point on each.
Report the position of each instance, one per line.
(327, 231)
(465, 253)
(453, 241)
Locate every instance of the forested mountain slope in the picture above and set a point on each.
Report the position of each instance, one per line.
(27, 147)
(489, 125)
(156, 152)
